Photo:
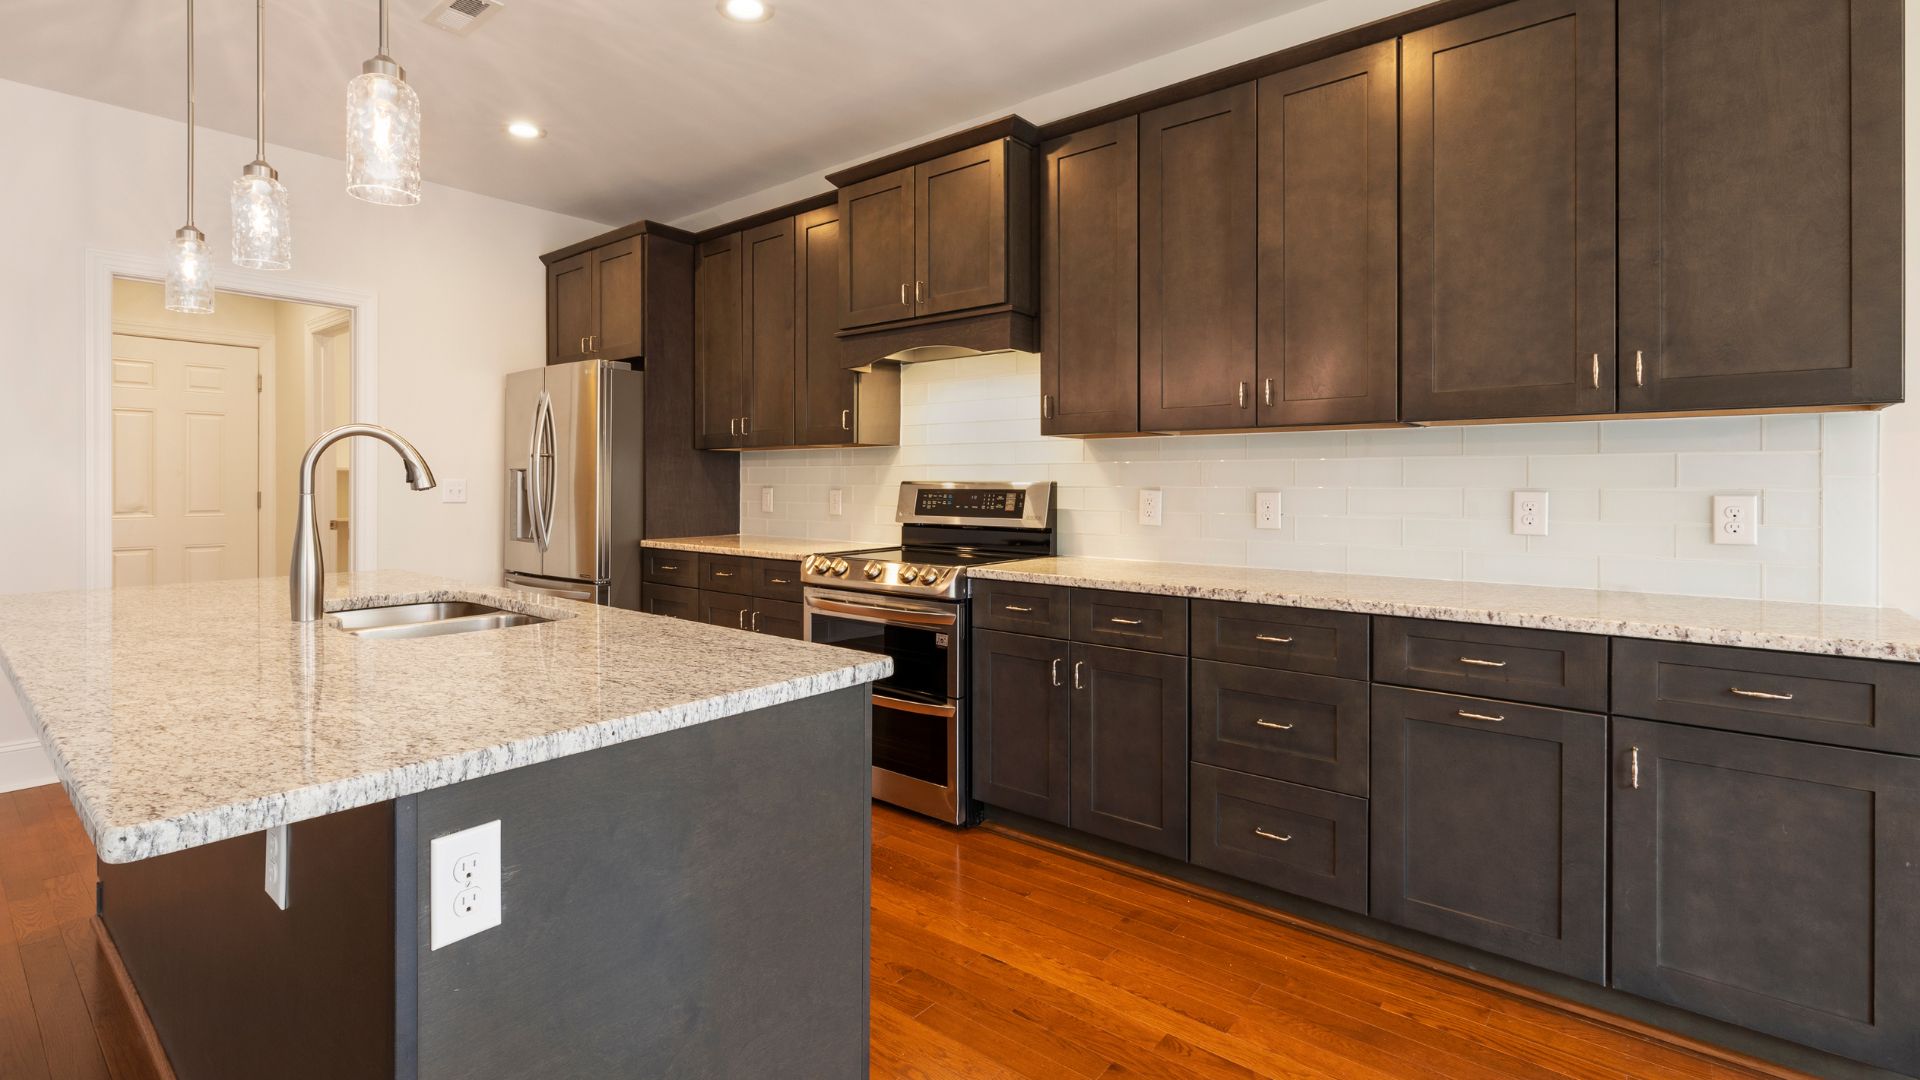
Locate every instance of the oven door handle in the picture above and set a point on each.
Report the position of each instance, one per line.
(920, 707)
(882, 612)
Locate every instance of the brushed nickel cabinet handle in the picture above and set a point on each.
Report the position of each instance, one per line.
(1465, 715)
(733, 425)
(1273, 639)
(740, 619)
(1761, 694)
(1056, 671)
(667, 566)
(846, 419)
(1274, 724)
(723, 573)
(1639, 367)
(903, 294)
(1633, 767)
(1596, 371)
(1046, 406)
(593, 341)
(1266, 392)
(1482, 663)
(1077, 665)
(1016, 608)
(583, 344)
(919, 292)
(746, 425)
(1124, 622)
(778, 581)
(754, 625)
(1265, 835)
(1243, 394)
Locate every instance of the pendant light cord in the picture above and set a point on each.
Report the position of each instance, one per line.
(383, 27)
(260, 79)
(190, 114)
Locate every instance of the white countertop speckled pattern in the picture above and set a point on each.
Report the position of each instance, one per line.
(1834, 630)
(179, 715)
(754, 547)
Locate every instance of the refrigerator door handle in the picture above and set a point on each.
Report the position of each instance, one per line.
(539, 470)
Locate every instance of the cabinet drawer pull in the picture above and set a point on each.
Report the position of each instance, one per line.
(723, 573)
(846, 419)
(1056, 671)
(1761, 694)
(1243, 394)
(1273, 639)
(1465, 715)
(1633, 767)
(778, 581)
(1265, 835)
(1016, 608)
(667, 566)
(1077, 665)
(1274, 724)
(1482, 663)
(1124, 622)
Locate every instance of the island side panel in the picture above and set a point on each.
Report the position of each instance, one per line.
(694, 904)
(239, 989)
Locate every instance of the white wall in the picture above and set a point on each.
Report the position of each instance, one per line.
(461, 302)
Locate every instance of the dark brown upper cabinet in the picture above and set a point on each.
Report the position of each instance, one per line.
(1760, 204)
(1198, 189)
(768, 281)
(1328, 345)
(1090, 299)
(596, 304)
(1507, 213)
(947, 235)
(722, 377)
(823, 400)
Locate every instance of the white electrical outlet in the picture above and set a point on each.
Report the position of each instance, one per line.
(277, 865)
(464, 889)
(836, 502)
(453, 491)
(1266, 510)
(1736, 519)
(1149, 506)
(766, 499)
(1530, 513)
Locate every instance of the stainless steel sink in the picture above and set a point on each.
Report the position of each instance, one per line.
(429, 619)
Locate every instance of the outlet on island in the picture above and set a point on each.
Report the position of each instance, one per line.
(465, 885)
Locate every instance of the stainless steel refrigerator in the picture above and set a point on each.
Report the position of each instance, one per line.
(573, 479)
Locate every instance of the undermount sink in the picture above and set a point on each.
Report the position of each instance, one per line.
(430, 619)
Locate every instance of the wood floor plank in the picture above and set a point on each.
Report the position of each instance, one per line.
(23, 1052)
(66, 1027)
(122, 1043)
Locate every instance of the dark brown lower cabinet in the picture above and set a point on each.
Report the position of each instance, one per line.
(725, 609)
(778, 618)
(1298, 839)
(1130, 747)
(1490, 826)
(1771, 883)
(1023, 724)
(1308, 729)
(673, 601)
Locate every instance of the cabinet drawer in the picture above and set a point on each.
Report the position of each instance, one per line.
(727, 573)
(664, 567)
(1295, 639)
(779, 618)
(1284, 836)
(775, 579)
(1130, 620)
(1829, 699)
(1307, 729)
(1544, 667)
(1021, 608)
(672, 600)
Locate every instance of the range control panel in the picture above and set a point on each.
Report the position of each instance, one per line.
(970, 502)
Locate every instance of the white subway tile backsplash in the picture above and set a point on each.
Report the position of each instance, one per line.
(1629, 499)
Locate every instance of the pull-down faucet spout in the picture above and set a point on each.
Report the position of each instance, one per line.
(307, 575)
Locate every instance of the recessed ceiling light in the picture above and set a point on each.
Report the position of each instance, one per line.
(746, 11)
(526, 129)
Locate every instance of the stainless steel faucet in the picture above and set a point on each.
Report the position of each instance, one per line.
(307, 575)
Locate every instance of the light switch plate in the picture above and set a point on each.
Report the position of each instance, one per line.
(1530, 513)
(1150, 506)
(453, 491)
(464, 885)
(277, 865)
(766, 499)
(1736, 519)
(1266, 510)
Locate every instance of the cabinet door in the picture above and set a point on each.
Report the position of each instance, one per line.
(1490, 826)
(960, 230)
(823, 400)
(1760, 203)
(1023, 724)
(1506, 229)
(673, 601)
(1772, 884)
(569, 308)
(720, 372)
(767, 273)
(619, 294)
(1329, 349)
(1130, 747)
(1090, 286)
(778, 618)
(876, 250)
(1197, 264)
(726, 609)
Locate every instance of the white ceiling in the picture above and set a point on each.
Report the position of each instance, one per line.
(654, 108)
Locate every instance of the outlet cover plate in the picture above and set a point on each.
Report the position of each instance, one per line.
(1529, 513)
(278, 865)
(766, 499)
(464, 884)
(1150, 506)
(836, 502)
(453, 491)
(1266, 510)
(1736, 519)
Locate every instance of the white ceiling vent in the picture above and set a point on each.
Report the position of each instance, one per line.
(462, 16)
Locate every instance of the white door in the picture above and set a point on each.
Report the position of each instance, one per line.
(330, 391)
(186, 461)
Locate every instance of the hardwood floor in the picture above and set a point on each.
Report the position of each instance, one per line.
(993, 956)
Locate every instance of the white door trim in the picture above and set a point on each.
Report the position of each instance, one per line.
(102, 267)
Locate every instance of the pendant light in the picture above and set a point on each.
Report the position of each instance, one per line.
(262, 228)
(189, 273)
(383, 131)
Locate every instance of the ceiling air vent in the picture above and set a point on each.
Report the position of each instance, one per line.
(462, 16)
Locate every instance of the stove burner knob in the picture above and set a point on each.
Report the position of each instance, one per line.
(840, 567)
(874, 570)
(806, 564)
(929, 574)
(907, 574)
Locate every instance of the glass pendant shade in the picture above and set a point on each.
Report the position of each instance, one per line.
(262, 225)
(189, 273)
(383, 136)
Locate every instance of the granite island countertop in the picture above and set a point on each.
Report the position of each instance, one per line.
(1829, 629)
(179, 715)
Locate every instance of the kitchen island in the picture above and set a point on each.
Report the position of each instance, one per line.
(683, 839)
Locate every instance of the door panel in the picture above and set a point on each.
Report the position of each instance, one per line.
(574, 534)
(876, 250)
(1772, 884)
(570, 314)
(521, 551)
(1023, 724)
(1197, 262)
(1090, 298)
(719, 352)
(619, 300)
(1130, 747)
(1507, 247)
(1329, 241)
(960, 230)
(823, 401)
(1760, 203)
(767, 304)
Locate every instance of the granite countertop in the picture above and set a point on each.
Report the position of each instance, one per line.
(178, 715)
(755, 547)
(1834, 630)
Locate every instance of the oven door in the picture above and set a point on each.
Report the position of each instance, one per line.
(925, 638)
(919, 762)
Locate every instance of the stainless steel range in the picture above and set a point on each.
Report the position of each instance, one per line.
(910, 603)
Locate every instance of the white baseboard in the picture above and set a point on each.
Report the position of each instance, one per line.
(23, 765)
